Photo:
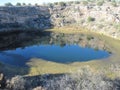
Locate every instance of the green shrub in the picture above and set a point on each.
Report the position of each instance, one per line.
(50, 5)
(90, 37)
(70, 2)
(62, 3)
(77, 2)
(36, 4)
(114, 4)
(24, 4)
(8, 4)
(100, 26)
(96, 48)
(55, 3)
(18, 4)
(85, 3)
(29, 4)
(90, 19)
(117, 26)
(100, 3)
(108, 0)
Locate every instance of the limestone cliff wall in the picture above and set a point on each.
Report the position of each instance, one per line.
(102, 19)
(24, 18)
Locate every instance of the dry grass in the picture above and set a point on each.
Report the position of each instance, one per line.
(39, 66)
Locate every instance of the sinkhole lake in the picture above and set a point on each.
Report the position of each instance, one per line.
(55, 53)
(19, 48)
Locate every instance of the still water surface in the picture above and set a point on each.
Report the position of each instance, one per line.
(55, 53)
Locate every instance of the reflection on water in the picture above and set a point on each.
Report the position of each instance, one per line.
(18, 48)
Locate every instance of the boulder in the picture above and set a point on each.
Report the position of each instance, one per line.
(2, 81)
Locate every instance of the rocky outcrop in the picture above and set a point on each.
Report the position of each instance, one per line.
(2, 81)
(24, 18)
(103, 18)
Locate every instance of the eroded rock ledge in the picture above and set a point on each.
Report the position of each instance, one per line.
(12, 18)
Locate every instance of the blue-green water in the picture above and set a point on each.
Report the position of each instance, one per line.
(66, 54)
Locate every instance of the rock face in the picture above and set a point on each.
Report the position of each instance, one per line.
(24, 18)
(103, 19)
(98, 18)
(2, 81)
